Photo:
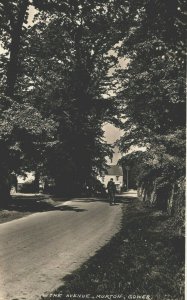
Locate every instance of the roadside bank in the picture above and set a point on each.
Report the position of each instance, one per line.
(145, 260)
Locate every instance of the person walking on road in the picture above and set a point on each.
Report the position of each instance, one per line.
(111, 187)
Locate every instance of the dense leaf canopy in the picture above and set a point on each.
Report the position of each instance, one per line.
(152, 91)
(61, 81)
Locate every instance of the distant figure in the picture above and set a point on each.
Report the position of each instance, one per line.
(111, 187)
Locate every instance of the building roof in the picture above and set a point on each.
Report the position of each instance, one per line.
(114, 170)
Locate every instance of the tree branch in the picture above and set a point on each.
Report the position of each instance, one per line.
(8, 12)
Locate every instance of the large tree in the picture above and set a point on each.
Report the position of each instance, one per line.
(152, 91)
(67, 71)
(21, 124)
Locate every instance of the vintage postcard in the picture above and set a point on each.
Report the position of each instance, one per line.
(92, 149)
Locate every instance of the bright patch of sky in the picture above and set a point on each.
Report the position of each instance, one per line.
(1, 48)
(32, 12)
(111, 135)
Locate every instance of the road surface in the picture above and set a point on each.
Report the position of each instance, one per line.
(37, 251)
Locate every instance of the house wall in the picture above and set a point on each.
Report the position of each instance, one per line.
(117, 180)
(29, 178)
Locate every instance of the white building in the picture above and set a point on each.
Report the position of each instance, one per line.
(115, 172)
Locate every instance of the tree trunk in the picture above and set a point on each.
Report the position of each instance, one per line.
(16, 24)
(5, 182)
(37, 182)
(5, 198)
(16, 32)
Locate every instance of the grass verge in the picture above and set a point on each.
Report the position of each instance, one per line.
(7, 216)
(23, 205)
(145, 260)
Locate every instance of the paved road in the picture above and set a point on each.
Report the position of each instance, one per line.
(37, 251)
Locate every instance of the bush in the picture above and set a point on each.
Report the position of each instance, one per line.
(27, 187)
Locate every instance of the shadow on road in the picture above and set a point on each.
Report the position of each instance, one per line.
(37, 203)
(124, 200)
(72, 208)
(42, 203)
(90, 200)
(118, 199)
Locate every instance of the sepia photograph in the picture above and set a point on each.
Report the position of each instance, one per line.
(92, 149)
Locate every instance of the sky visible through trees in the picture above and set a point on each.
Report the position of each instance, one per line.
(82, 65)
(111, 133)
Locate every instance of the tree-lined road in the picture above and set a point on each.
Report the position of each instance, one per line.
(37, 251)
